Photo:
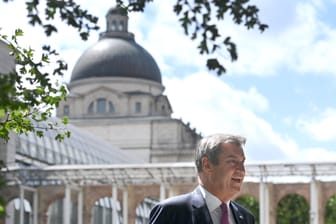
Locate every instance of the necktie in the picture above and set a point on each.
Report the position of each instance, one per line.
(225, 216)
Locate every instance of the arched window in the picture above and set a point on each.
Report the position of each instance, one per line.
(101, 105)
(113, 25)
(121, 25)
(13, 212)
(143, 209)
(55, 212)
(103, 211)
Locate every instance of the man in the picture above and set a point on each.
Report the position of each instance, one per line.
(219, 162)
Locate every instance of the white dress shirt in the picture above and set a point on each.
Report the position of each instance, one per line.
(215, 210)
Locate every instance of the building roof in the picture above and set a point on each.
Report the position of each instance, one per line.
(80, 148)
(157, 173)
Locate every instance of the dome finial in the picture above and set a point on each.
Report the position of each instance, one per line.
(117, 23)
(116, 19)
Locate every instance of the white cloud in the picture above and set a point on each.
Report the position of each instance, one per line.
(161, 35)
(211, 105)
(305, 44)
(316, 155)
(322, 127)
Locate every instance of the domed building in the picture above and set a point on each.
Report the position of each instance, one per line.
(116, 93)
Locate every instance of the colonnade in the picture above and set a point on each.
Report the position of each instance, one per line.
(131, 185)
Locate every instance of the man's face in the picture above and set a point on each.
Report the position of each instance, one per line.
(225, 178)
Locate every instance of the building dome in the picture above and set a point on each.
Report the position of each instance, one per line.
(116, 54)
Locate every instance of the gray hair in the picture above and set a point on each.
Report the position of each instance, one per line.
(210, 147)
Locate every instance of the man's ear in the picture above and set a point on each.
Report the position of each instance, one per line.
(206, 165)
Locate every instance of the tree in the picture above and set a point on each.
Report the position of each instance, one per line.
(251, 204)
(330, 210)
(292, 209)
(28, 94)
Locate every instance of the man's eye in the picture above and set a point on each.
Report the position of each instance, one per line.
(232, 161)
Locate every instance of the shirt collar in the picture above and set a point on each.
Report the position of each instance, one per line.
(211, 200)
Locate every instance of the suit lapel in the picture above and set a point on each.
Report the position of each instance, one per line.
(200, 211)
(238, 216)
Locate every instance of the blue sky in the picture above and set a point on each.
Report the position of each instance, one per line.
(280, 93)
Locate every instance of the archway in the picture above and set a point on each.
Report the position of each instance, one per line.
(143, 209)
(292, 209)
(102, 212)
(13, 212)
(55, 212)
(330, 211)
(250, 203)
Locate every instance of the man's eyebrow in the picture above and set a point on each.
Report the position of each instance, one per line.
(234, 157)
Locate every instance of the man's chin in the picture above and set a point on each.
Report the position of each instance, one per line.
(236, 187)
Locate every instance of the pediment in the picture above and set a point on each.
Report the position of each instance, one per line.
(103, 90)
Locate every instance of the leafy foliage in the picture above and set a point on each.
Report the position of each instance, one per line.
(251, 204)
(200, 20)
(2, 186)
(28, 94)
(330, 211)
(69, 12)
(292, 209)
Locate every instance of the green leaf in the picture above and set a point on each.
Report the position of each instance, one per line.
(213, 64)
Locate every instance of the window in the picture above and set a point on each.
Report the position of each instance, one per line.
(143, 209)
(66, 110)
(101, 105)
(55, 211)
(121, 25)
(137, 107)
(13, 211)
(90, 110)
(103, 211)
(113, 26)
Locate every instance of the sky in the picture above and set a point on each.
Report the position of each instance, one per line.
(279, 94)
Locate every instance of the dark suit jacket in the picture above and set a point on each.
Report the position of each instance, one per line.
(191, 209)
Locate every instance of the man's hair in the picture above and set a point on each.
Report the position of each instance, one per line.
(210, 147)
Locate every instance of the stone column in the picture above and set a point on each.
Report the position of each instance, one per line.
(264, 202)
(162, 191)
(66, 205)
(125, 205)
(21, 204)
(114, 204)
(314, 202)
(35, 207)
(80, 206)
